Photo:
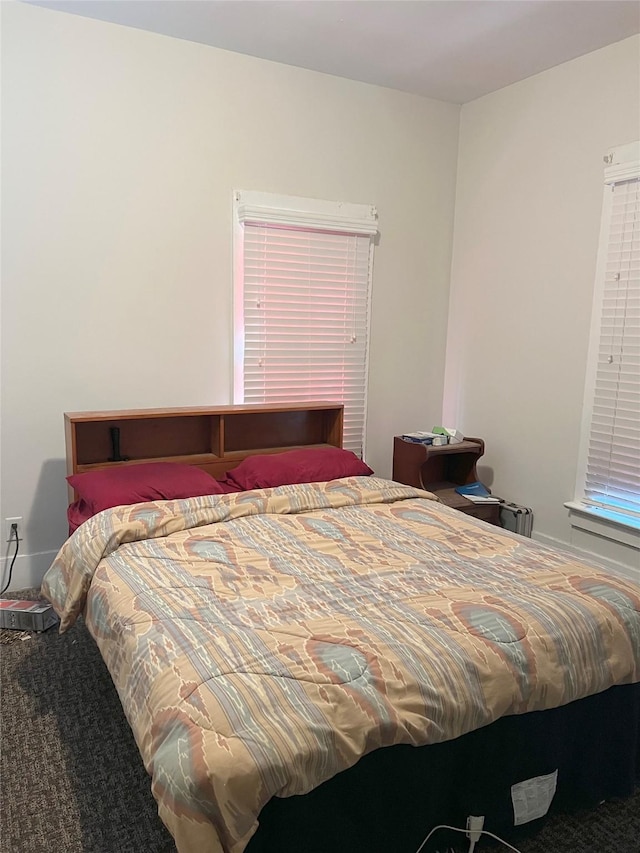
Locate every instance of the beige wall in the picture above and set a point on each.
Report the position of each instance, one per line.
(529, 195)
(120, 151)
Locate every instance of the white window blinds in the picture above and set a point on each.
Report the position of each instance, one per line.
(612, 480)
(304, 270)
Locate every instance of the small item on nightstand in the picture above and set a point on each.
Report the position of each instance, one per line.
(476, 489)
(420, 437)
(454, 436)
(477, 493)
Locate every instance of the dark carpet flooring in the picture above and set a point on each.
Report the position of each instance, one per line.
(73, 781)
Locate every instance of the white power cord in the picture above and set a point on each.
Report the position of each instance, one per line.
(473, 835)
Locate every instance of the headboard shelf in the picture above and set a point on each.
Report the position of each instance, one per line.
(200, 459)
(215, 439)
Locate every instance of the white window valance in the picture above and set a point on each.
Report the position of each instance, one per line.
(255, 208)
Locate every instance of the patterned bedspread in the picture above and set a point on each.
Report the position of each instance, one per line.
(262, 642)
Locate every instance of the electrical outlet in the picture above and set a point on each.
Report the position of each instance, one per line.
(8, 535)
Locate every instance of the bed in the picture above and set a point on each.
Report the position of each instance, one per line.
(339, 664)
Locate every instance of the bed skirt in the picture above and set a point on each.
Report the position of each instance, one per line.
(389, 801)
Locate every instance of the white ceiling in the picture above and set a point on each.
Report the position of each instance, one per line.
(452, 50)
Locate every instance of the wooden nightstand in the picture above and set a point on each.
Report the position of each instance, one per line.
(440, 470)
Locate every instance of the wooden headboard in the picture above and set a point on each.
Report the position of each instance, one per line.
(215, 439)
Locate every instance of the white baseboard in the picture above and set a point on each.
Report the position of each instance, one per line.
(28, 570)
(589, 556)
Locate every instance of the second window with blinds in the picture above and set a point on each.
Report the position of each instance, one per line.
(608, 486)
(302, 286)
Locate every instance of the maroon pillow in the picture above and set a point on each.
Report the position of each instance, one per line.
(312, 465)
(77, 513)
(132, 484)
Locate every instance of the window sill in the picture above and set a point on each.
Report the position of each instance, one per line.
(602, 522)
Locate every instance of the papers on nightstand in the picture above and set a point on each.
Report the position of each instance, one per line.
(482, 499)
(421, 437)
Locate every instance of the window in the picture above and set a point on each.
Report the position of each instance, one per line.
(609, 482)
(302, 287)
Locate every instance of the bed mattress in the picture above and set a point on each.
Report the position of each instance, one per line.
(264, 641)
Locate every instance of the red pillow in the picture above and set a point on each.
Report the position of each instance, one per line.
(77, 513)
(132, 484)
(312, 465)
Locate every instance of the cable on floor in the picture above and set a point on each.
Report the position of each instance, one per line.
(14, 531)
(472, 842)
